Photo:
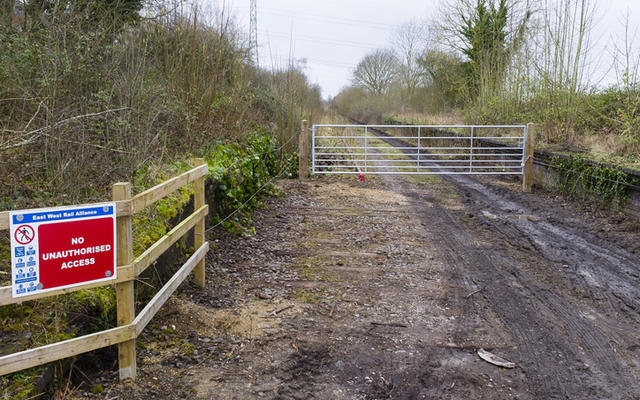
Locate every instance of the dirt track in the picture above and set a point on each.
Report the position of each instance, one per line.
(386, 289)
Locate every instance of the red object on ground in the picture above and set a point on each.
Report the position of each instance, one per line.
(361, 177)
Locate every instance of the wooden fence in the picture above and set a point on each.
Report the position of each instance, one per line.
(128, 269)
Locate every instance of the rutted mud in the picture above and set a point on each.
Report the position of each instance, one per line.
(386, 289)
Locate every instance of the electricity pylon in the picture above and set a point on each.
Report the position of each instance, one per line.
(253, 31)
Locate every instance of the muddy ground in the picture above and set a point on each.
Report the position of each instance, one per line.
(386, 289)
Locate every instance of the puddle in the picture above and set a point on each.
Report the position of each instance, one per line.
(517, 217)
(303, 284)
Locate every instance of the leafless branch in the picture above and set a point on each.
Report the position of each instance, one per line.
(27, 137)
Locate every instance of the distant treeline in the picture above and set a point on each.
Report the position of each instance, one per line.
(507, 61)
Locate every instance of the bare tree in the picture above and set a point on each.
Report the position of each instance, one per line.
(626, 57)
(562, 62)
(377, 71)
(626, 64)
(409, 43)
(565, 43)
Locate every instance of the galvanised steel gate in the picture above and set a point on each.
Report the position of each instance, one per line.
(418, 149)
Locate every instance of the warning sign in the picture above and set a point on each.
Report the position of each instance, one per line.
(62, 247)
(24, 234)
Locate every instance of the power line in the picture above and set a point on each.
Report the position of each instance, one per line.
(319, 18)
(316, 39)
(330, 63)
(343, 21)
(312, 60)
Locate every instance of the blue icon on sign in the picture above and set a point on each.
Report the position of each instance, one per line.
(32, 287)
(31, 252)
(31, 264)
(20, 289)
(30, 258)
(20, 265)
(31, 274)
(20, 260)
(20, 274)
(20, 251)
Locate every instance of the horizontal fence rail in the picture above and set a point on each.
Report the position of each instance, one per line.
(129, 269)
(418, 149)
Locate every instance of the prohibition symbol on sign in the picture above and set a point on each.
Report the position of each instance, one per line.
(24, 234)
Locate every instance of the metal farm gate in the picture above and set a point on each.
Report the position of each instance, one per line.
(418, 149)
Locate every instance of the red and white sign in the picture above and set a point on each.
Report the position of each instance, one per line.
(62, 247)
(24, 234)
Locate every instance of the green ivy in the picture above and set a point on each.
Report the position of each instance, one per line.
(238, 172)
(580, 178)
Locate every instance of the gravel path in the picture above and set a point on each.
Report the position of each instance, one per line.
(386, 289)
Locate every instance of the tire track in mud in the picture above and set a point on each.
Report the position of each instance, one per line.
(610, 270)
(564, 355)
(469, 265)
(608, 292)
(550, 342)
(601, 270)
(603, 275)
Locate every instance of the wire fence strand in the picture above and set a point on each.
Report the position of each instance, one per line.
(235, 162)
(225, 219)
(282, 172)
(634, 187)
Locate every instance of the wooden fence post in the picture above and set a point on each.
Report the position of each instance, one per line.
(527, 176)
(303, 152)
(198, 230)
(124, 291)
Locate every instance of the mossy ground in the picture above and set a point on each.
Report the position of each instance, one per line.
(314, 269)
(307, 296)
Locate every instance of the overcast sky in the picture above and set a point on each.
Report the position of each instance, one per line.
(333, 35)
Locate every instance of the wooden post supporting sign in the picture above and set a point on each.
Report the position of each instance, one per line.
(198, 232)
(303, 152)
(527, 175)
(124, 290)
